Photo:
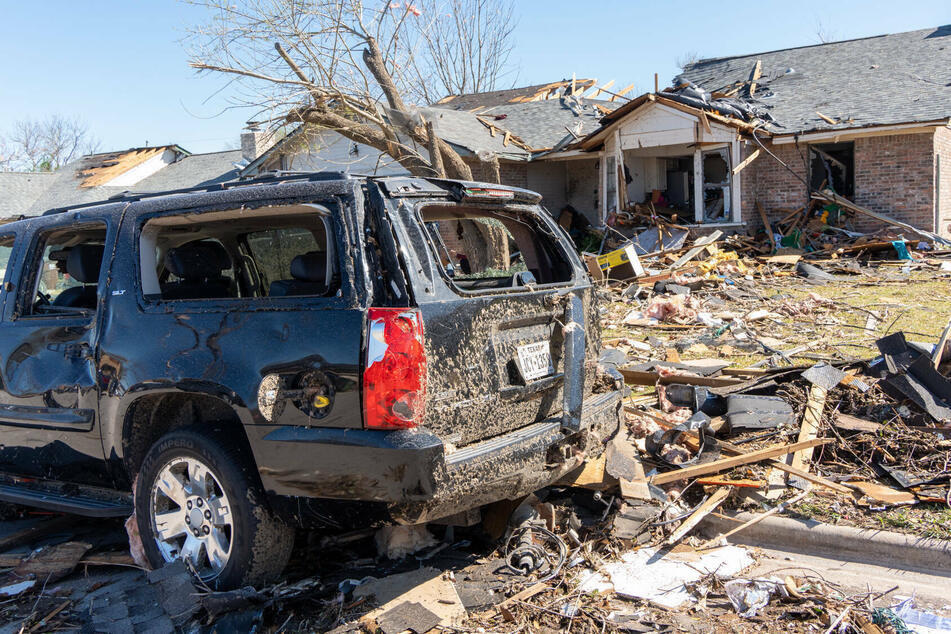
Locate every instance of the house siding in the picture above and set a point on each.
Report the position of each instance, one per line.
(942, 151)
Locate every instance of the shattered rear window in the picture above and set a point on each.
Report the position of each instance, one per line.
(482, 250)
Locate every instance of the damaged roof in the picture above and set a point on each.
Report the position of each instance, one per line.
(550, 123)
(75, 183)
(537, 92)
(882, 80)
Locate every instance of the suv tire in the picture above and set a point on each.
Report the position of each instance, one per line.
(196, 499)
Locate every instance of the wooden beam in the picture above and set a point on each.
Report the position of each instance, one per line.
(702, 115)
(735, 461)
(602, 89)
(640, 377)
(765, 219)
(755, 75)
(749, 159)
(656, 83)
(828, 120)
(809, 428)
(709, 505)
(755, 520)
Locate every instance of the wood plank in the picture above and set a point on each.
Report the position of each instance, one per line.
(640, 377)
(709, 505)
(809, 428)
(702, 115)
(828, 120)
(756, 520)
(852, 423)
(938, 355)
(735, 461)
(749, 159)
(723, 482)
(769, 227)
(755, 75)
(699, 245)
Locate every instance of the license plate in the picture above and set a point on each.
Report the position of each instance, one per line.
(534, 359)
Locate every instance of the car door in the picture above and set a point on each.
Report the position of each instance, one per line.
(48, 334)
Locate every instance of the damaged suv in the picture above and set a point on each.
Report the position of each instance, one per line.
(235, 361)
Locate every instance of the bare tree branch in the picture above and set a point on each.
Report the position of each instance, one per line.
(45, 145)
(354, 68)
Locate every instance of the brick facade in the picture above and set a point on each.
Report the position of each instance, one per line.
(894, 175)
(942, 150)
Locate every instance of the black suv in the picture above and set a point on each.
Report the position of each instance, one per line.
(233, 361)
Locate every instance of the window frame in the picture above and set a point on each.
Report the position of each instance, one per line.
(328, 210)
(7, 287)
(29, 271)
(536, 216)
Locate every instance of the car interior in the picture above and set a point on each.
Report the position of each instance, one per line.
(67, 275)
(527, 256)
(269, 252)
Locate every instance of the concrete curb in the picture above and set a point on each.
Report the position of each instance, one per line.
(882, 548)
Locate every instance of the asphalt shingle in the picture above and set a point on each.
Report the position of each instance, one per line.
(888, 79)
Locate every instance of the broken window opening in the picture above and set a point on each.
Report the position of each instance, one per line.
(239, 254)
(717, 181)
(481, 250)
(6, 250)
(832, 166)
(64, 275)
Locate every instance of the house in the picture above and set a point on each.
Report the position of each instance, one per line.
(526, 129)
(100, 176)
(867, 118)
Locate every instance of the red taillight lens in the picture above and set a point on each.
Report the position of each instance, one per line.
(394, 380)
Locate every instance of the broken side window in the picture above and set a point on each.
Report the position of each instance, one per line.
(717, 180)
(832, 167)
(63, 276)
(6, 249)
(268, 252)
(482, 250)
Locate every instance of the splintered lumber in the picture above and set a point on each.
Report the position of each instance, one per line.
(749, 159)
(765, 219)
(848, 204)
(853, 423)
(828, 120)
(756, 520)
(698, 246)
(938, 355)
(811, 419)
(723, 482)
(735, 461)
(756, 73)
(708, 506)
(640, 377)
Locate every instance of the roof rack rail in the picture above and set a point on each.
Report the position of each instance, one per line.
(270, 177)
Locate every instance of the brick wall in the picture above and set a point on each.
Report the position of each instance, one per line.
(893, 174)
(766, 181)
(512, 173)
(942, 150)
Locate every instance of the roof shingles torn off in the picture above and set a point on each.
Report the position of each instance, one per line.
(883, 80)
(472, 101)
(99, 169)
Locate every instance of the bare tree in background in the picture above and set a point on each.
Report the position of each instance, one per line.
(823, 33)
(342, 66)
(690, 57)
(466, 48)
(45, 145)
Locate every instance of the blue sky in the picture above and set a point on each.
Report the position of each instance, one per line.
(120, 66)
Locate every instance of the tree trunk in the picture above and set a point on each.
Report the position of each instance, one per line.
(487, 245)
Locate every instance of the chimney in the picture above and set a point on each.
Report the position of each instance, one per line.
(255, 142)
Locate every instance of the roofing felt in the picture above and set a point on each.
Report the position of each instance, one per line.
(887, 79)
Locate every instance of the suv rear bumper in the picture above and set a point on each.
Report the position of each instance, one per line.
(414, 475)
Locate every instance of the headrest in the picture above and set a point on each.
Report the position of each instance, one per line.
(83, 263)
(310, 267)
(198, 259)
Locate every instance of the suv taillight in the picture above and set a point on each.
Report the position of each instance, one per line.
(394, 380)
